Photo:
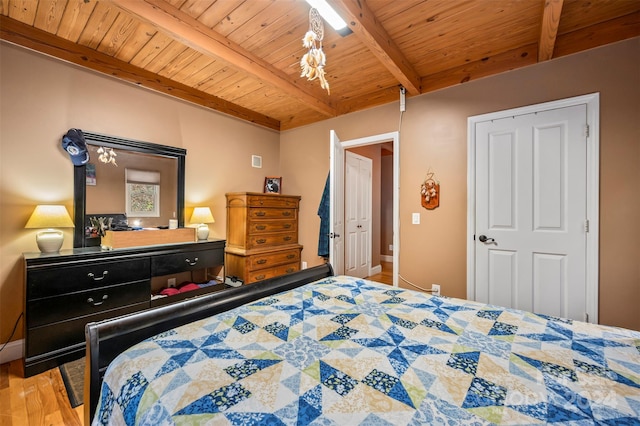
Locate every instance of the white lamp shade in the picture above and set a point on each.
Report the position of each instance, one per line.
(202, 215)
(47, 216)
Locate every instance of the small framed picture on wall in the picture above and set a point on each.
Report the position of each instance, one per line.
(273, 185)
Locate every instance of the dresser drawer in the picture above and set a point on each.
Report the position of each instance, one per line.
(186, 261)
(272, 201)
(63, 334)
(59, 308)
(268, 226)
(263, 274)
(267, 260)
(272, 214)
(270, 240)
(69, 279)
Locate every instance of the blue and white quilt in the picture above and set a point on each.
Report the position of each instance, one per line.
(345, 351)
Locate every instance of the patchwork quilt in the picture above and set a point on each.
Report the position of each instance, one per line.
(345, 351)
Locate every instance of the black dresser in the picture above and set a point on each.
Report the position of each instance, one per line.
(66, 290)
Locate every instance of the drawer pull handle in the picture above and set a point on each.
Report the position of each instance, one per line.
(287, 238)
(287, 226)
(260, 277)
(192, 263)
(261, 261)
(261, 241)
(261, 227)
(286, 214)
(289, 270)
(92, 275)
(260, 214)
(291, 256)
(94, 303)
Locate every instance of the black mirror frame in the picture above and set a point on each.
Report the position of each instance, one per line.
(80, 180)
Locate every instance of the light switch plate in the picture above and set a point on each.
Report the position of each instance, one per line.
(415, 218)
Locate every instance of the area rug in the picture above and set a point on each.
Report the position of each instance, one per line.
(73, 378)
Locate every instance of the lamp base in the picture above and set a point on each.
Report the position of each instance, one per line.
(49, 241)
(203, 232)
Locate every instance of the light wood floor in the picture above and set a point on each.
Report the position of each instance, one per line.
(386, 276)
(43, 400)
(37, 400)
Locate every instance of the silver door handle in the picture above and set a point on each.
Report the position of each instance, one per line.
(485, 239)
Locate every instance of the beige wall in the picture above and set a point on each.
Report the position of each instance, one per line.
(434, 135)
(386, 205)
(41, 98)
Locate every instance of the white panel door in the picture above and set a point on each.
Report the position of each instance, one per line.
(357, 198)
(531, 212)
(336, 212)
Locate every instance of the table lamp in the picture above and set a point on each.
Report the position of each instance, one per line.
(202, 215)
(48, 216)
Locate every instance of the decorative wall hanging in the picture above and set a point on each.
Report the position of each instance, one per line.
(430, 192)
(313, 62)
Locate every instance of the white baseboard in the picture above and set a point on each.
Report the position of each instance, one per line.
(375, 270)
(12, 351)
(386, 258)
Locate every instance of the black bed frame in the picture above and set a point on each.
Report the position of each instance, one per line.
(106, 339)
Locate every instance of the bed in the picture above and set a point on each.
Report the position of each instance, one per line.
(336, 350)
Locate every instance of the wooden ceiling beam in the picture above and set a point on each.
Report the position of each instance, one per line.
(203, 39)
(366, 26)
(41, 41)
(549, 29)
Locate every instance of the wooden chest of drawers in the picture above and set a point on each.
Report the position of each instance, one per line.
(262, 236)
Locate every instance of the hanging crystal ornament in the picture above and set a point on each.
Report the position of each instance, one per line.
(313, 62)
(107, 155)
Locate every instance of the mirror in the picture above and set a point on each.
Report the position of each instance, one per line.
(100, 189)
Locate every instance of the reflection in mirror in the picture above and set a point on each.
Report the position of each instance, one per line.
(135, 174)
(142, 187)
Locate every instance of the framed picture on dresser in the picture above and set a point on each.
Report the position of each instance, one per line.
(273, 185)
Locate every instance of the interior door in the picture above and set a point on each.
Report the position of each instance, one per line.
(358, 170)
(336, 213)
(531, 216)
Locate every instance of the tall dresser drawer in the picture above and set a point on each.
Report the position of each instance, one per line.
(272, 214)
(267, 260)
(268, 226)
(270, 240)
(263, 274)
(57, 308)
(272, 201)
(69, 279)
(187, 261)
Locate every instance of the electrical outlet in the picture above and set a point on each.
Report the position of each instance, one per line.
(435, 289)
(415, 218)
(390, 247)
(304, 265)
(171, 282)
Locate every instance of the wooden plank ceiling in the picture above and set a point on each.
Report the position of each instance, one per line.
(241, 57)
